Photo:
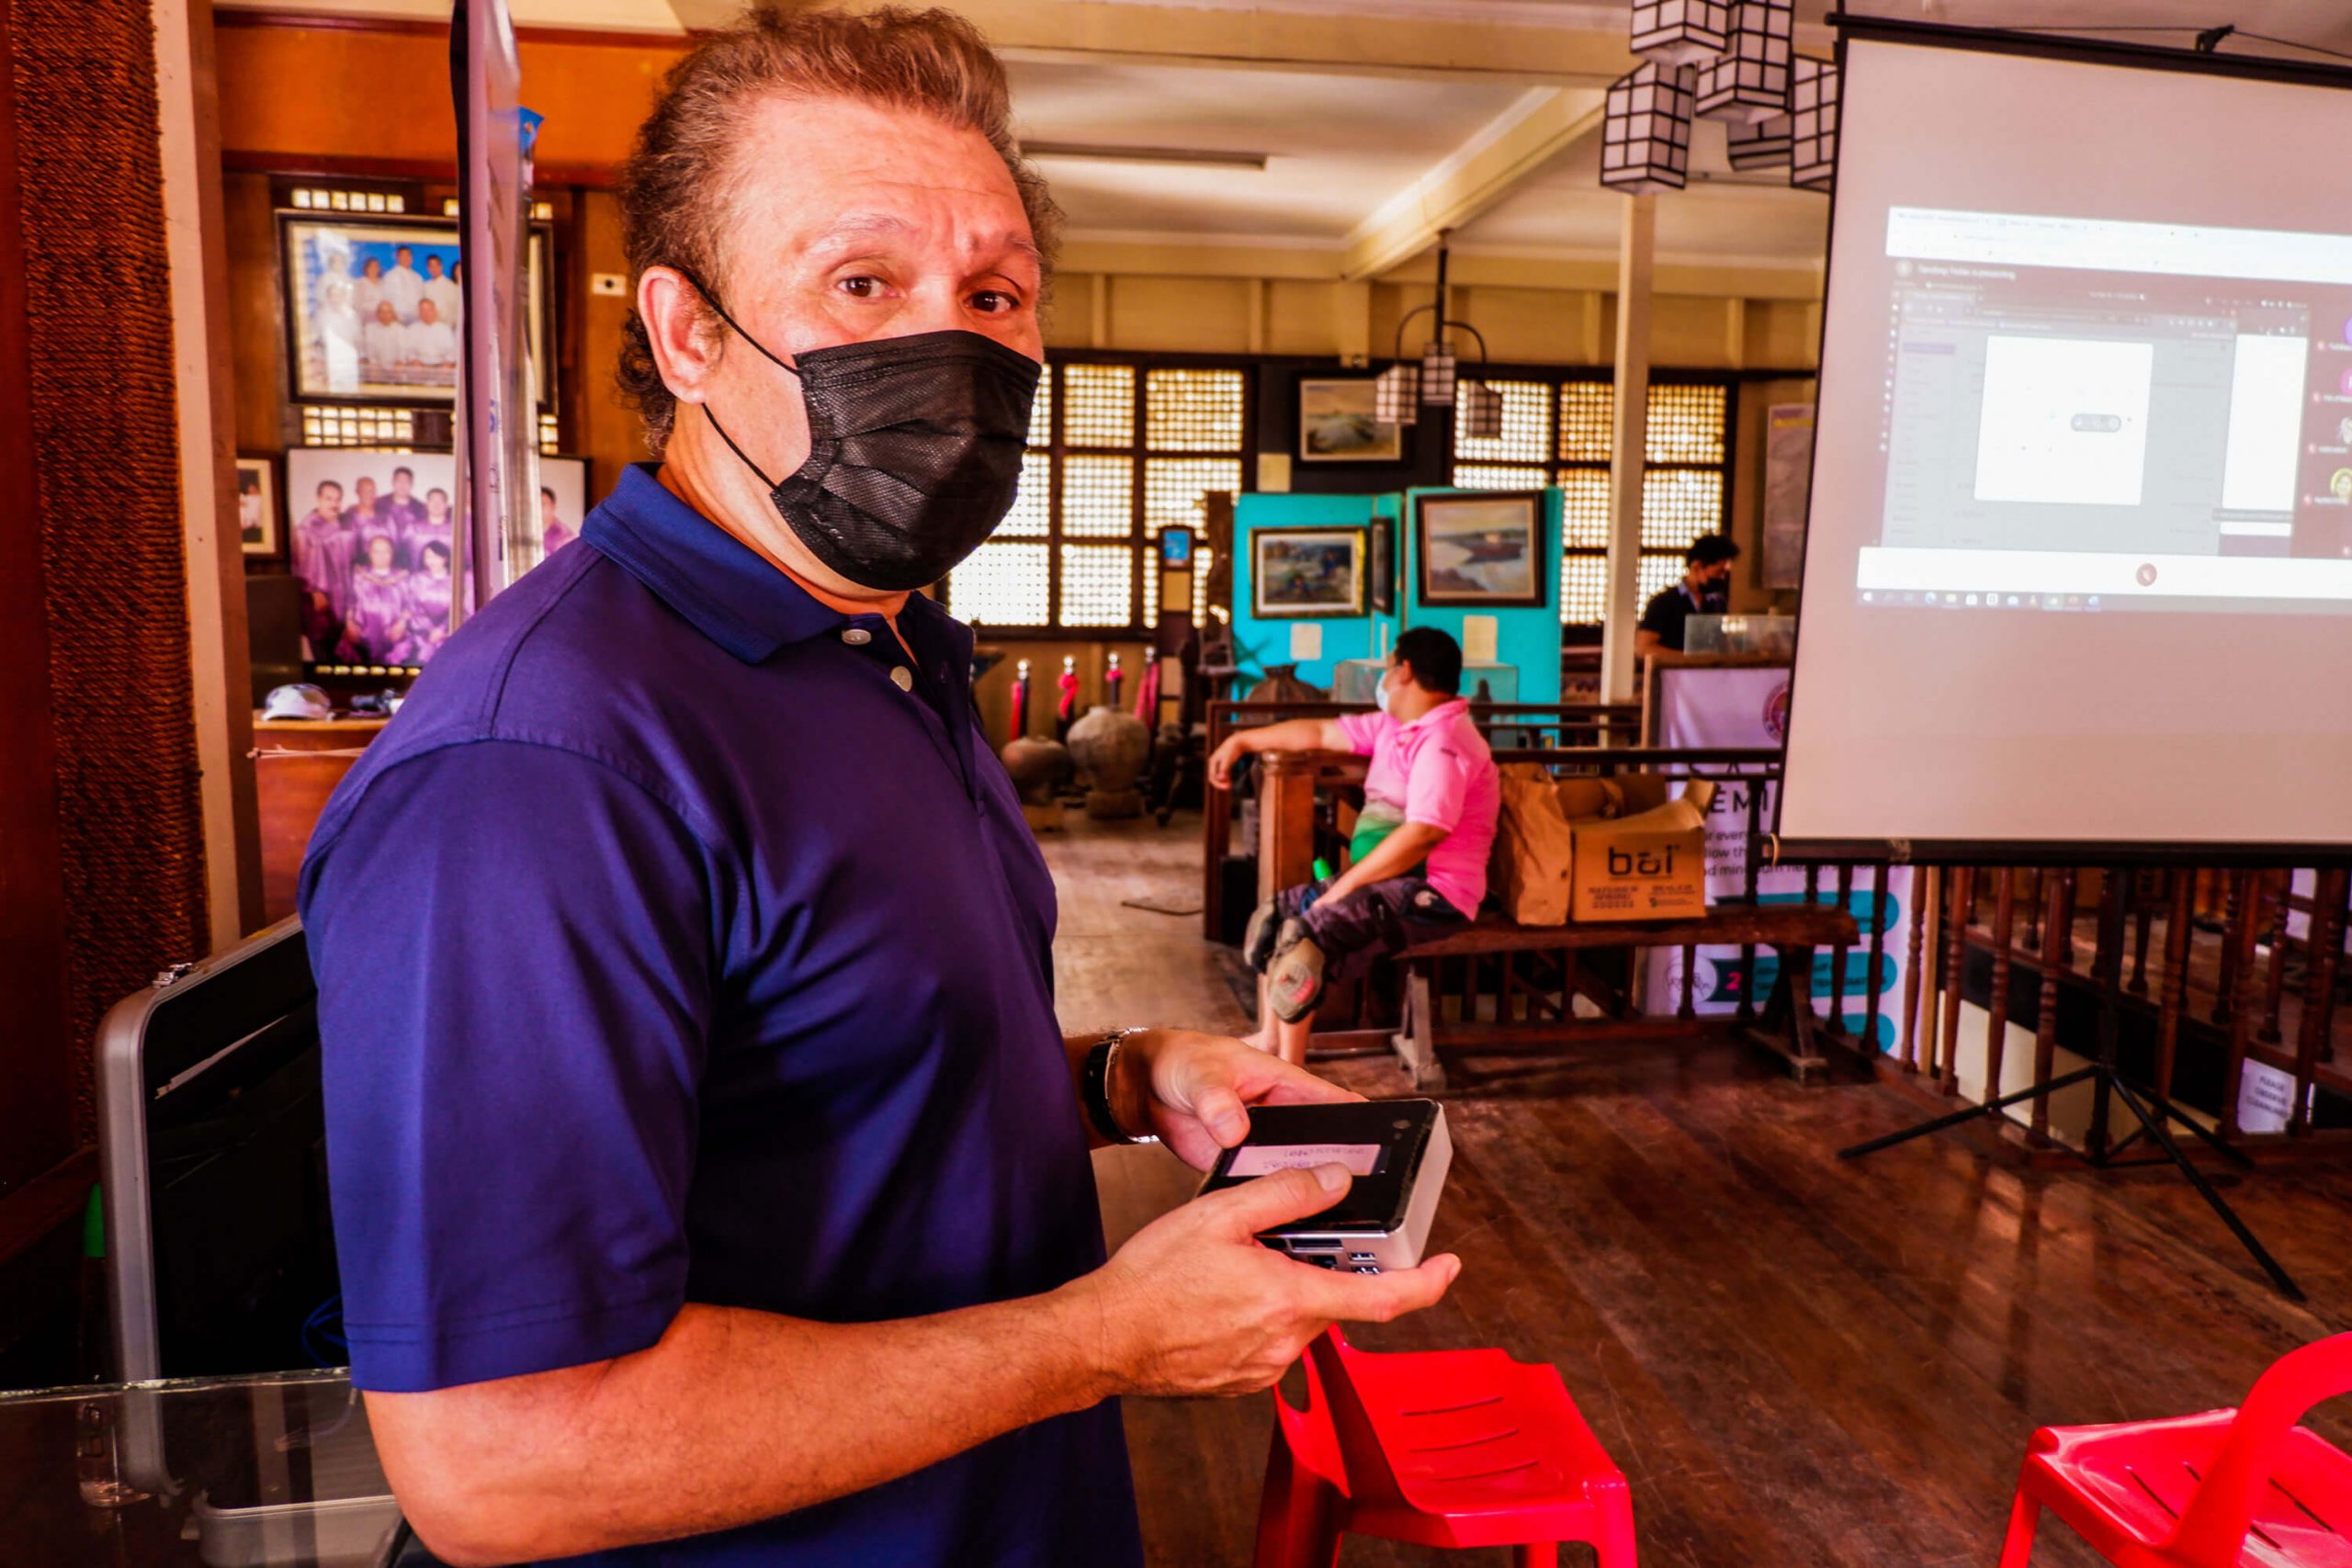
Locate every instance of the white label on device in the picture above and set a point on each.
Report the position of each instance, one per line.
(1264, 1159)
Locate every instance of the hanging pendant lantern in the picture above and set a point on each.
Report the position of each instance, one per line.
(1396, 394)
(1480, 414)
(1812, 124)
(1764, 145)
(1646, 131)
(1437, 375)
(1681, 32)
(1751, 83)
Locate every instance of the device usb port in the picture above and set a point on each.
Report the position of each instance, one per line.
(1363, 1257)
(1367, 1267)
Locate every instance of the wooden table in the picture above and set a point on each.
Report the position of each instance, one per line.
(296, 764)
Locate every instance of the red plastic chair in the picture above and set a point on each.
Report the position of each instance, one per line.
(1440, 1448)
(2246, 1488)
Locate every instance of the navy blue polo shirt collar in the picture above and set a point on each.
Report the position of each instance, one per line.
(722, 585)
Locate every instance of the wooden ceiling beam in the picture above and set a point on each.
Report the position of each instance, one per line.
(1473, 177)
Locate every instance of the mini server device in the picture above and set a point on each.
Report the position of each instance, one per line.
(1398, 1150)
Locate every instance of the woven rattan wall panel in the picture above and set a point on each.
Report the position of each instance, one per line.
(103, 415)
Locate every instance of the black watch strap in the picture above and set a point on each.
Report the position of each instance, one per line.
(1095, 1090)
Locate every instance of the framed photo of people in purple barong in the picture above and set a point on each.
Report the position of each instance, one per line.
(375, 307)
(373, 546)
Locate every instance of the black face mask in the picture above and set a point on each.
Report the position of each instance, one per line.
(914, 451)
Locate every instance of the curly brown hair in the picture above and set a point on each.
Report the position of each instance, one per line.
(675, 188)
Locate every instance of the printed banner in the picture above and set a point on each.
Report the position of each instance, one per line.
(1704, 708)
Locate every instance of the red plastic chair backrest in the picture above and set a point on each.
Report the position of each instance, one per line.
(1314, 1445)
(2214, 1527)
(1369, 1476)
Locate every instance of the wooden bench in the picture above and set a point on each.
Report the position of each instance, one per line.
(1787, 1025)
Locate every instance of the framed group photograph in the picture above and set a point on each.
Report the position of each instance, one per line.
(374, 546)
(1335, 424)
(261, 523)
(374, 549)
(1482, 552)
(1307, 572)
(375, 307)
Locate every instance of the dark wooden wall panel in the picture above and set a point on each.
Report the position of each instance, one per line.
(103, 420)
(36, 1102)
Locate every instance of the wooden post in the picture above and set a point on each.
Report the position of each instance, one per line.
(2327, 999)
(2326, 946)
(2237, 953)
(1996, 1024)
(1285, 821)
(2226, 986)
(2274, 982)
(2175, 1003)
(1921, 877)
(1963, 901)
(1930, 906)
(2057, 957)
(2143, 898)
(1839, 955)
(196, 247)
(1877, 957)
(1628, 447)
(1216, 837)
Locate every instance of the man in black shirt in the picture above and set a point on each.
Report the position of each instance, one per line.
(1705, 590)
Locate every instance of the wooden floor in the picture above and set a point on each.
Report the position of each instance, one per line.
(1796, 1361)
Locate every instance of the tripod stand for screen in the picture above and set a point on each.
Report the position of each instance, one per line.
(2107, 1085)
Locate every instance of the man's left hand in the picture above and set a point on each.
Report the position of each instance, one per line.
(1194, 1091)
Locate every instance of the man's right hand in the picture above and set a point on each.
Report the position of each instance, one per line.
(1223, 759)
(1192, 1304)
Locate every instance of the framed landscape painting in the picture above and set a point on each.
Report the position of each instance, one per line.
(1335, 424)
(1307, 572)
(1481, 552)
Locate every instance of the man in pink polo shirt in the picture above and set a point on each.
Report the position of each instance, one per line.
(1418, 862)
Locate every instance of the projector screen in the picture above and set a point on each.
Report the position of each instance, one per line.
(2078, 567)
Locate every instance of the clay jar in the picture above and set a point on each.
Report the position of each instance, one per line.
(1038, 764)
(1111, 748)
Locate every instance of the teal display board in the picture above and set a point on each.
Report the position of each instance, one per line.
(1528, 640)
(1259, 643)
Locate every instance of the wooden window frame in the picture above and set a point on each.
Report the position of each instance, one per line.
(1556, 466)
(1140, 544)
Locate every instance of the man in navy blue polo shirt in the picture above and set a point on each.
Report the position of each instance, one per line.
(709, 1171)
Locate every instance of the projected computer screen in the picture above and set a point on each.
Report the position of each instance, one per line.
(2104, 414)
(2079, 554)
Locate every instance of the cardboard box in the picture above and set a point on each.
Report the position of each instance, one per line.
(1650, 865)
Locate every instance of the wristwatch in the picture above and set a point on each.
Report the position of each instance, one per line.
(1094, 1088)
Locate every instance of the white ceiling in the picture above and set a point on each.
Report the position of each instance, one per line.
(1342, 145)
(1724, 218)
(1338, 145)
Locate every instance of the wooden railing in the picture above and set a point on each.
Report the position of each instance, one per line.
(1509, 725)
(1291, 783)
(2203, 958)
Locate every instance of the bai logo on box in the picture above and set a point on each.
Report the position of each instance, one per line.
(1648, 864)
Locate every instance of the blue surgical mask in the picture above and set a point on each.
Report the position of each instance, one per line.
(1380, 694)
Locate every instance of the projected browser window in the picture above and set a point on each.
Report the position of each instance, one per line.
(2089, 415)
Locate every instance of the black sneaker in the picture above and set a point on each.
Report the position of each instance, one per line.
(1258, 941)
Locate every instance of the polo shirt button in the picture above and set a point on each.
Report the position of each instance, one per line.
(857, 636)
(902, 677)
